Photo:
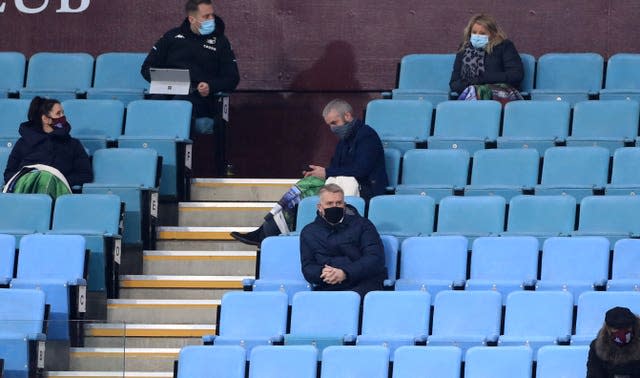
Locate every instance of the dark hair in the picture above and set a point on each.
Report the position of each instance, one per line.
(192, 5)
(40, 106)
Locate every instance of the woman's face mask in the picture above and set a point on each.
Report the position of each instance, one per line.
(622, 337)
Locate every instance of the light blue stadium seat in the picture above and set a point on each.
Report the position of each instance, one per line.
(402, 215)
(623, 78)
(471, 216)
(249, 319)
(75, 214)
(421, 362)
(12, 67)
(571, 77)
(163, 126)
(22, 316)
(537, 318)
(395, 318)
(60, 273)
(97, 123)
(503, 172)
(308, 207)
(503, 264)
(575, 264)
(541, 216)
(391, 246)
(502, 362)
(610, 124)
(433, 264)
(592, 307)
(4, 157)
(118, 77)
(203, 360)
(468, 125)
(465, 318)
(24, 214)
(577, 171)
(371, 361)
(279, 268)
(392, 157)
(7, 258)
(400, 123)
(74, 73)
(323, 318)
(424, 77)
(132, 174)
(12, 113)
(288, 361)
(562, 361)
(625, 176)
(434, 173)
(535, 124)
(614, 217)
(529, 68)
(625, 274)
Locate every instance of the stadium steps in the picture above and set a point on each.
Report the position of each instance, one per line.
(241, 263)
(107, 374)
(111, 335)
(123, 359)
(185, 287)
(222, 214)
(242, 190)
(161, 311)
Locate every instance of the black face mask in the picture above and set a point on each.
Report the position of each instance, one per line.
(334, 215)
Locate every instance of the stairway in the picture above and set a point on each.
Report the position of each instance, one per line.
(174, 302)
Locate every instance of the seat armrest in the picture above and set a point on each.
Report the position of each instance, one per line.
(492, 339)
(277, 340)
(564, 340)
(386, 95)
(349, 339)
(458, 285)
(389, 284)
(208, 339)
(420, 340)
(247, 284)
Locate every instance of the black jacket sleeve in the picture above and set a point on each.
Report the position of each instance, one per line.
(595, 368)
(456, 83)
(228, 76)
(372, 258)
(511, 71)
(155, 58)
(364, 161)
(81, 171)
(14, 161)
(311, 268)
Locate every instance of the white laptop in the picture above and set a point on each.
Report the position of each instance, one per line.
(169, 81)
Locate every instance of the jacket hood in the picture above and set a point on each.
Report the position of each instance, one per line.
(33, 134)
(186, 27)
(609, 351)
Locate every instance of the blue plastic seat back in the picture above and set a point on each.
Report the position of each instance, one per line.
(459, 313)
(239, 314)
(157, 118)
(391, 247)
(623, 72)
(470, 215)
(396, 313)
(12, 66)
(540, 119)
(227, 361)
(308, 207)
(22, 311)
(371, 361)
(562, 361)
(120, 70)
(538, 313)
(626, 161)
(435, 167)
(325, 313)
(575, 166)
(12, 113)
(610, 214)
(615, 118)
(406, 119)
(435, 257)
(584, 258)
(392, 157)
(505, 258)
(77, 213)
(426, 71)
(542, 214)
(626, 259)
(434, 361)
(529, 67)
(7, 257)
(479, 119)
(4, 157)
(288, 361)
(91, 118)
(505, 167)
(51, 257)
(593, 305)
(409, 214)
(125, 166)
(502, 362)
(74, 71)
(570, 71)
(25, 212)
(280, 258)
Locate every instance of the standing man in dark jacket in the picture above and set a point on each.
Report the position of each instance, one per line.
(341, 250)
(615, 353)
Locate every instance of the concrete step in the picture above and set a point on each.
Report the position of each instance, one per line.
(159, 311)
(108, 374)
(199, 262)
(183, 287)
(221, 214)
(123, 359)
(172, 238)
(257, 190)
(112, 335)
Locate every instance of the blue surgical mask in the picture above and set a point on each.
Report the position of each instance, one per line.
(207, 27)
(479, 41)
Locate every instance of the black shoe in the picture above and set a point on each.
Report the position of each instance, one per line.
(252, 238)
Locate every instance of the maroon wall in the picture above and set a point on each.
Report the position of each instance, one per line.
(295, 55)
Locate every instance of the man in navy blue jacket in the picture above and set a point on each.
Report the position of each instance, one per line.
(340, 250)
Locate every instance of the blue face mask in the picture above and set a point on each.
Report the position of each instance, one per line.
(207, 27)
(479, 41)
